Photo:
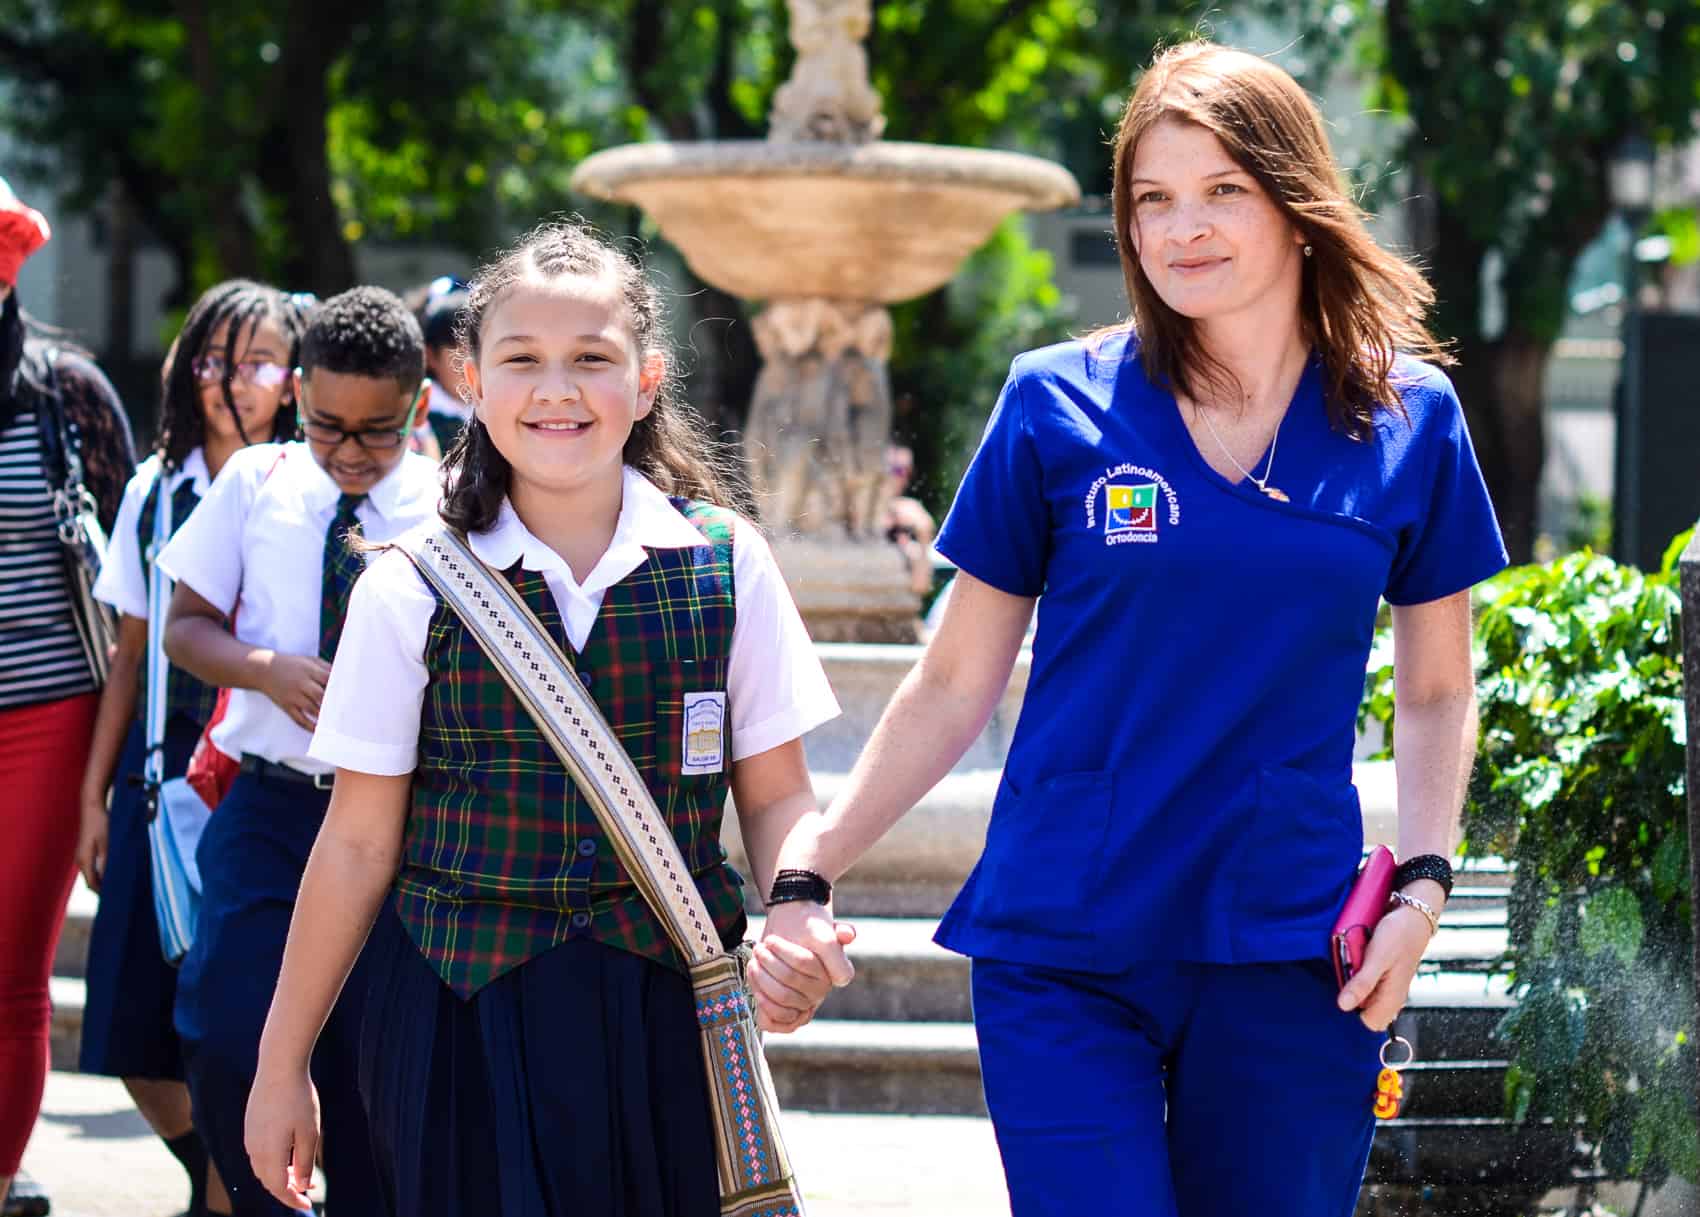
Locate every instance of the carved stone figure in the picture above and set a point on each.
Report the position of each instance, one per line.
(828, 97)
(821, 416)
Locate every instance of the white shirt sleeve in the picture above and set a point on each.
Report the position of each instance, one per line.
(123, 583)
(206, 553)
(775, 684)
(369, 720)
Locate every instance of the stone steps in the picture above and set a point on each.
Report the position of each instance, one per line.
(916, 869)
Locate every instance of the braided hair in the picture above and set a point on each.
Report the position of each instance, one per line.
(245, 306)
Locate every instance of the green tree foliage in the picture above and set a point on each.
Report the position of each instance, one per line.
(266, 140)
(1514, 108)
(272, 140)
(1580, 783)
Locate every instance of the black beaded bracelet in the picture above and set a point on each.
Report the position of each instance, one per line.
(1425, 866)
(790, 886)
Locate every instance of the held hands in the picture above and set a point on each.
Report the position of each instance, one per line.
(799, 960)
(296, 683)
(1380, 988)
(282, 1134)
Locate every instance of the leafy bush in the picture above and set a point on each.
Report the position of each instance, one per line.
(1580, 784)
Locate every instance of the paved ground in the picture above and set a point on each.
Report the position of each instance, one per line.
(97, 1159)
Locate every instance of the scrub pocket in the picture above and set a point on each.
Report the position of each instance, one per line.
(1299, 856)
(1043, 867)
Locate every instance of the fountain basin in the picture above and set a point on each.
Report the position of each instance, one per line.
(881, 222)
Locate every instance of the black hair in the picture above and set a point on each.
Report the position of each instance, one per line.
(439, 317)
(365, 331)
(24, 343)
(245, 306)
(670, 445)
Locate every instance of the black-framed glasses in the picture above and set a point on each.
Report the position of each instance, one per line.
(265, 373)
(377, 439)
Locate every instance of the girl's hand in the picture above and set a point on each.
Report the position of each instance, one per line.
(296, 684)
(1380, 988)
(282, 1134)
(799, 960)
(92, 839)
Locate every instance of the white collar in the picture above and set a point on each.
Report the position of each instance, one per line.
(648, 520)
(194, 467)
(321, 491)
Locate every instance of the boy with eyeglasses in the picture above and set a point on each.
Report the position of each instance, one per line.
(268, 547)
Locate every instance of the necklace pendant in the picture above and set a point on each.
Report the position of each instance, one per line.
(1276, 493)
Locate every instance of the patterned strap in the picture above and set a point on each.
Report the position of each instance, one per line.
(159, 597)
(546, 685)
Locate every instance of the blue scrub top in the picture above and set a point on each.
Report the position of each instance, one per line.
(1179, 785)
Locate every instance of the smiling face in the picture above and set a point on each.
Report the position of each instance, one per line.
(257, 390)
(374, 406)
(559, 381)
(1209, 239)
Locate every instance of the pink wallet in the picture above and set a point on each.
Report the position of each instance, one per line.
(1364, 907)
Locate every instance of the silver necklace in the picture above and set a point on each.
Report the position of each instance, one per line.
(1262, 483)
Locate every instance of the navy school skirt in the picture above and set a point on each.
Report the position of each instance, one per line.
(127, 1031)
(572, 1086)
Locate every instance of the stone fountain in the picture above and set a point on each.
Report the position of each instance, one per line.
(826, 224)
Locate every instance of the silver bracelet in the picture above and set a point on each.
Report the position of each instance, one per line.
(1422, 906)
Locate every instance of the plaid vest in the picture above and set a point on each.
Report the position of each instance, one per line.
(184, 694)
(502, 859)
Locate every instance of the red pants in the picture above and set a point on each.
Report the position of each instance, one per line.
(43, 749)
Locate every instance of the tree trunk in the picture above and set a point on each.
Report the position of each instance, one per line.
(219, 185)
(120, 275)
(1502, 385)
(319, 258)
(1501, 381)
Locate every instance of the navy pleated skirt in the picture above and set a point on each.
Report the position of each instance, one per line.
(572, 1086)
(127, 1029)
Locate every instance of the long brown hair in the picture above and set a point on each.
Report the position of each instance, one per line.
(1360, 305)
(670, 445)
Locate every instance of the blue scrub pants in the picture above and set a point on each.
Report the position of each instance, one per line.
(252, 856)
(1176, 1089)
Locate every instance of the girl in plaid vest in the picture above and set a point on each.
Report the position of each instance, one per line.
(530, 1044)
(225, 385)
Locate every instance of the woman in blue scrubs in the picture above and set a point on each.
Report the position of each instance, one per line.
(1213, 500)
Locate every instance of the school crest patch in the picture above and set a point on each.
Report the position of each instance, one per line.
(705, 732)
(1137, 503)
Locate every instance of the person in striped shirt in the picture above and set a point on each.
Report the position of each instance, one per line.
(48, 688)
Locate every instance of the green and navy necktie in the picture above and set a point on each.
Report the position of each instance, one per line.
(342, 567)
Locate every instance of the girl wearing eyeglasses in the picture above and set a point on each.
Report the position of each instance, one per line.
(226, 384)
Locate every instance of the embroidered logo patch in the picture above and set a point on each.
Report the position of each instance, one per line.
(1135, 501)
(705, 733)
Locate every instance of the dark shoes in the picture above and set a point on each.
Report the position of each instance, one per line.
(26, 1199)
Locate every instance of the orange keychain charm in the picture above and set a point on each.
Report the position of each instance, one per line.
(1389, 1086)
